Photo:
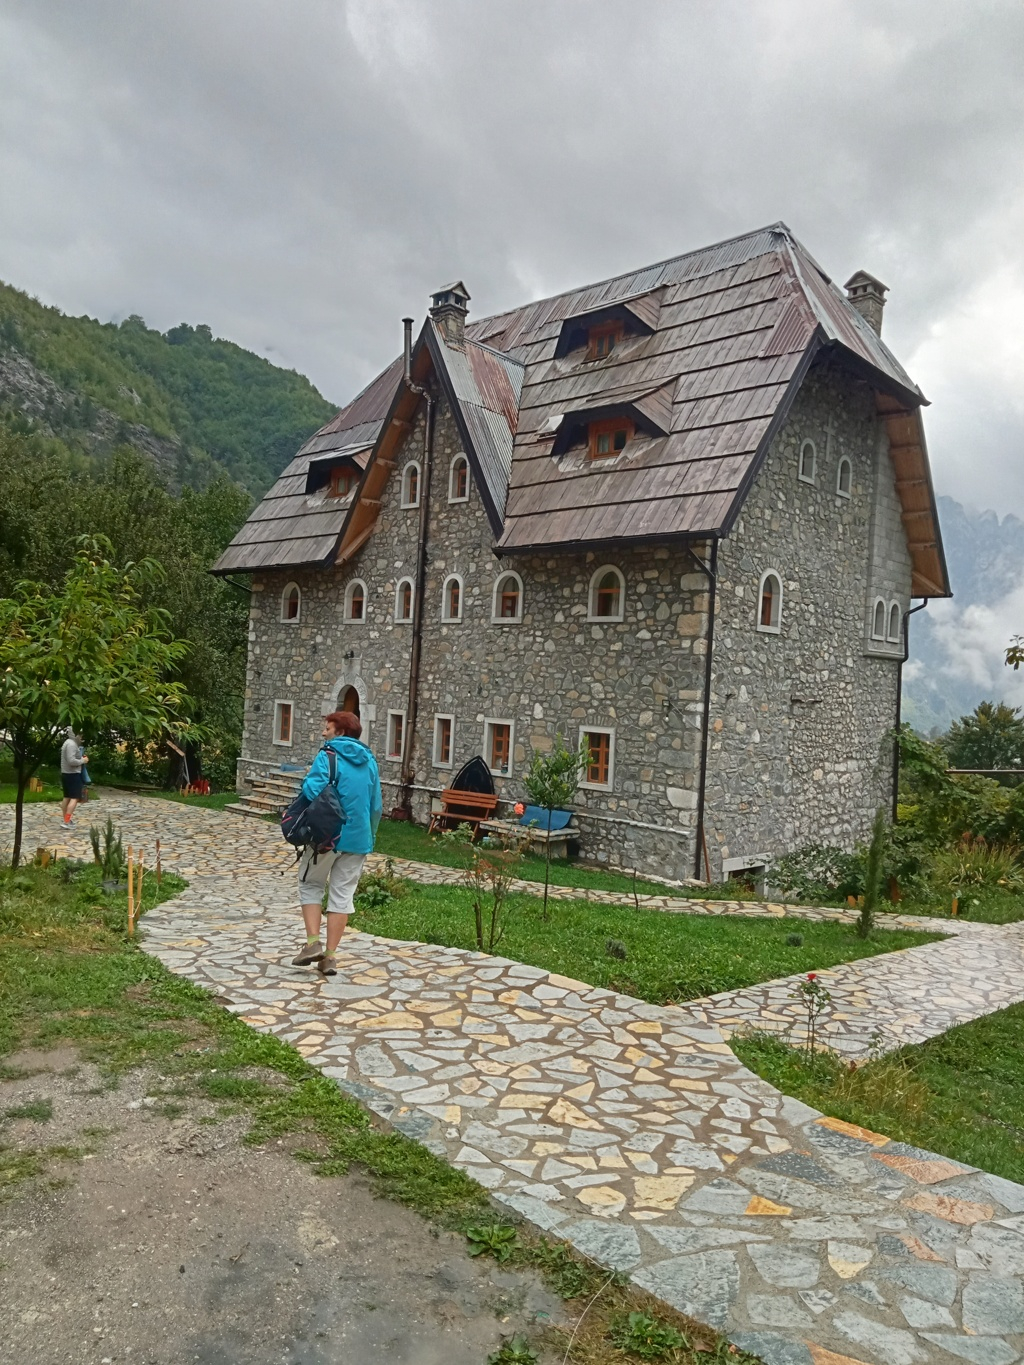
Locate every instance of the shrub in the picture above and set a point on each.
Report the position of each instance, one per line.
(974, 863)
(818, 872)
(380, 888)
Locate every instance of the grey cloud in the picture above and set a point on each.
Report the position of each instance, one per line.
(300, 176)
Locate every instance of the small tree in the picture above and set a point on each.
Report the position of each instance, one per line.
(873, 875)
(86, 655)
(552, 784)
(489, 869)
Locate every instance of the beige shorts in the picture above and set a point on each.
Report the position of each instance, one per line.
(338, 873)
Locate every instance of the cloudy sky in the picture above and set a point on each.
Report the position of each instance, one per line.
(301, 175)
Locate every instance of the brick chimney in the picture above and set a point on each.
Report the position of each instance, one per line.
(867, 295)
(448, 308)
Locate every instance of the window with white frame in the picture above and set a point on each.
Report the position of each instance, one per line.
(411, 484)
(808, 458)
(355, 601)
(599, 772)
(283, 723)
(458, 480)
(291, 603)
(607, 598)
(451, 598)
(403, 599)
(844, 478)
(396, 734)
(769, 602)
(507, 608)
(878, 614)
(498, 746)
(444, 740)
(895, 620)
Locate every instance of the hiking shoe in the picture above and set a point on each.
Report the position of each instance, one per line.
(327, 966)
(310, 954)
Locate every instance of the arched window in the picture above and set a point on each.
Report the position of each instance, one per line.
(403, 600)
(878, 620)
(451, 599)
(607, 594)
(355, 601)
(411, 485)
(769, 599)
(458, 480)
(291, 603)
(844, 478)
(807, 462)
(507, 607)
(895, 620)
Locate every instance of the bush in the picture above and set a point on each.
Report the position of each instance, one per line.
(974, 863)
(818, 872)
(378, 889)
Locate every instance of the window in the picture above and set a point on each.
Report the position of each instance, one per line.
(607, 595)
(411, 485)
(498, 746)
(396, 733)
(344, 478)
(283, 722)
(600, 744)
(355, 601)
(291, 603)
(603, 339)
(507, 607)
(451, 599)
(878, 620)
(844, 479)
(458, 480)
(444, 727)
(403, 600)
(609, 437)
(895, 621)
(769, 612)
(807, 462)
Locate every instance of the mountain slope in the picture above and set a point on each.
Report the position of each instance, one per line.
(190, 400)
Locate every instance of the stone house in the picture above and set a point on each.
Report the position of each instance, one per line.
(680, 514)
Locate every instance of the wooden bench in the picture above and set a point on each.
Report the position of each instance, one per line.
(462, 808)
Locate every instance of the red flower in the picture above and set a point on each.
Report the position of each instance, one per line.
(811, 976)
(519, 808)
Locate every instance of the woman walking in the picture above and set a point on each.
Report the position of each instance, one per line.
(358, 786)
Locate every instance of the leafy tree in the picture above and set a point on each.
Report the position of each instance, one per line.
(88, 655)
(991, 737)
(873, 875)
(552, 784)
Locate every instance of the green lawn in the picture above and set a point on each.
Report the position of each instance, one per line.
(668, 957)
(399, 839)
(961, 1094)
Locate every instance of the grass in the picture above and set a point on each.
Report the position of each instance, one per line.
(69, 975)
(399, 839)
(961, 1094)
(668, 957)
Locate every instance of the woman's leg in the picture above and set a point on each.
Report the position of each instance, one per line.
(341, 888)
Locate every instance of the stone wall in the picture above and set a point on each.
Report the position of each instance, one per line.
(798, 751)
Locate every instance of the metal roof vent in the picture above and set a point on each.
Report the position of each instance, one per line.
(448, 308)
(867, 295)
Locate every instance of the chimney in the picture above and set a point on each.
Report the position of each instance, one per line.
(867, 295)
(448, 308)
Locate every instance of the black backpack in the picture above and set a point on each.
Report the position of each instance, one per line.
(316, 824)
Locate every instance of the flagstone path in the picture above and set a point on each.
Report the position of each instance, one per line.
(629, 1129)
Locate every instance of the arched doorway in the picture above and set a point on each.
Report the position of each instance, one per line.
(350, 701)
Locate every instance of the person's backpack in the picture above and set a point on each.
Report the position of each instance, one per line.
(316, 824)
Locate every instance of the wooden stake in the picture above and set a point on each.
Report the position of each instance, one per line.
(956, 905)
(138, 899)
(131, 903)
(159, 871)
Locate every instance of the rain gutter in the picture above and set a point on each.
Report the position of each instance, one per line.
(711, 573)
(899, 706)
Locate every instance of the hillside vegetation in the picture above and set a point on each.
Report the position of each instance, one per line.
(195, 404)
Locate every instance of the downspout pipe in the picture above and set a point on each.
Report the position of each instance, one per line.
(420, 581)
(899, 708)
(711, 573)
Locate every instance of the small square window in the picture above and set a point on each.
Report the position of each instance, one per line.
(444, 727)
(600, 747)
(498, 746)
(603, 339)
(283, 722)
(343, 480)
(396, 734)
(610, 437)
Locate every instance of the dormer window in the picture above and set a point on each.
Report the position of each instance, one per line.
(603, 339)
(609, 437)
(343, 480)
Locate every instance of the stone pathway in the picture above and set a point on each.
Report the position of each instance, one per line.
(628, 1129)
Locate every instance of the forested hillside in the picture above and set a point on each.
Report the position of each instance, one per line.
(193, 403)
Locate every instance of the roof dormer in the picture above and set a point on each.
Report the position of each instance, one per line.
(602, 328)
(335, 474)
(609, 423)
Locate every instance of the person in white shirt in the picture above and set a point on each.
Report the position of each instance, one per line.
(72, 776)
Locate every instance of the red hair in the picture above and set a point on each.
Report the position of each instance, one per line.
(345, 723)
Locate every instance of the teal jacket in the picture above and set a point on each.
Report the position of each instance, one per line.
(358, 786)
